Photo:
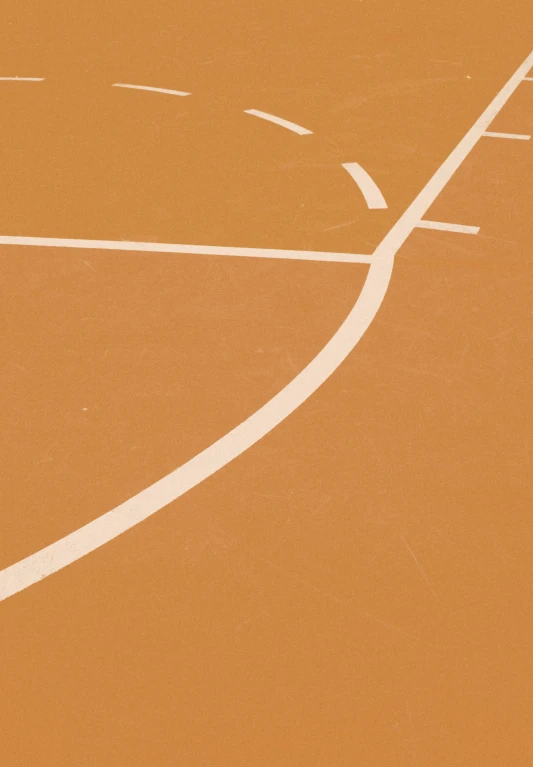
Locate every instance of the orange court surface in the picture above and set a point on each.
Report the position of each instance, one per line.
(266, 356)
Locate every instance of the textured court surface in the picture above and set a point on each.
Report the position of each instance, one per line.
(353, 587)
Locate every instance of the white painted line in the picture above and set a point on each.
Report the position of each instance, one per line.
(279, 121)
(149, 88)
(202, 250)
(447, 227)
(166, 490)
(528, 79)
(367, 185)
(519, 136)
(22, 79)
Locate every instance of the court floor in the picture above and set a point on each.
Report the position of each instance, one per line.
(266, 380)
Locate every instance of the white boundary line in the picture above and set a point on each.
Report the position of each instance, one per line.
(22, 79)
(150, 88)
(166, 490)
(370, 190)
(202, 250)
(517, 136)
(443, 227)
(279, 121)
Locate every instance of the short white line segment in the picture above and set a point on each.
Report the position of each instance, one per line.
(149, 88)
(201, 250)
(166, 490)
(279, 121)
(518, 136)
(367, 185)
(528, 79)
(443, 227)
(22, 79)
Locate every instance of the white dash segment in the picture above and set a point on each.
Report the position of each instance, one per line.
(279, 121)
(444, 227)
(22, 79)
(518, 136)
(201, 250)
(528, 79)
(150, 88)
(370, 190)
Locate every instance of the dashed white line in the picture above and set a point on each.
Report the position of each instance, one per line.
(105, 528)
(150, 88)
(202, 250)
(444, 227)
(518, 136)
(367, 185)
(279, 121)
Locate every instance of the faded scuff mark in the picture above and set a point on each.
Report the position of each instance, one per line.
(419, 566)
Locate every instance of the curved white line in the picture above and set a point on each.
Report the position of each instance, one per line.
(107, 527)
(279, 121)
(149, 88)
(367, 185)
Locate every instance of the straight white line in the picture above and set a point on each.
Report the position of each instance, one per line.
(22, 79)
(166, 490)
(519, 136)
(528, 79)
(202, 250)
(279, 121)
(149, 88)
(425, 224)
(367, 185)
